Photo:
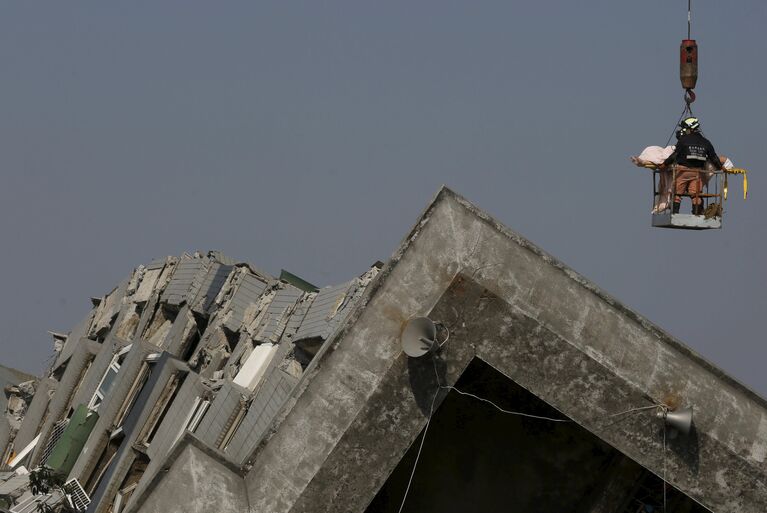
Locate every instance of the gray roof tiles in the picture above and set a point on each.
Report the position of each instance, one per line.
(319, 319)
(183, 277)
(275, 321)
(205, 287)
(247, 292)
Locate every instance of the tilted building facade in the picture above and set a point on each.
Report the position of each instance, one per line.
(201, 384)
(199, 344)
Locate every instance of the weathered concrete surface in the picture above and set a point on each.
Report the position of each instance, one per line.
(36, 412)
(196, 481)
(62, 400)
(477, 458)
(10, 423)
(109, 408)
(362, 403)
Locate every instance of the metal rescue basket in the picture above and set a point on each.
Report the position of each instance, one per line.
(712, 195)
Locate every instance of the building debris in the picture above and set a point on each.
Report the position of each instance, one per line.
(183, 345)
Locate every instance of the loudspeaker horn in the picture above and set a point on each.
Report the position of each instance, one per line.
(680, 419)
(419, 337)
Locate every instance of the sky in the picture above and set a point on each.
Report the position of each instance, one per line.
(310, 135)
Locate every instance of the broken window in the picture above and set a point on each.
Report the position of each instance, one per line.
(109, 378)
(130, 483)
(198, 412)
(138, 385)
(194, 417)
(161, 408)
(107, 455)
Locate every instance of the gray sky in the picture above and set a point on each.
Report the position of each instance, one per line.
(310, 135)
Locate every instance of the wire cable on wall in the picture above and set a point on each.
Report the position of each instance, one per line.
(440, 387)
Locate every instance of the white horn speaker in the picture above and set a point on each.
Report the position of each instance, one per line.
(680, 419)
(419, 337)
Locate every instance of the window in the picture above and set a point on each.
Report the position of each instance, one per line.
(107, 455)
(161, 407)
(193, 418)
(108, 380)
(199, 412)
(138, 385)
(130, 482)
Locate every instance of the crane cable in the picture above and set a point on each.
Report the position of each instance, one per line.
(688, 110)
(689, 96)
(689, 18)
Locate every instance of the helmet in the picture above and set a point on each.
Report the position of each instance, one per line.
(689, 125)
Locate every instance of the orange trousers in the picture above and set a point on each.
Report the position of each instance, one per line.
(688, 182)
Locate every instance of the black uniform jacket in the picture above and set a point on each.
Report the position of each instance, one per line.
(693, 150)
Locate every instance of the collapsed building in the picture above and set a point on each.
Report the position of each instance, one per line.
(18, 389)
(198, 344)
(204, 384)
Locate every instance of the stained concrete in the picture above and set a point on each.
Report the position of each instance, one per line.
(196, 482)
(357, 410)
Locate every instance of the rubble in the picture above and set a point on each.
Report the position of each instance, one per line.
(183, 344)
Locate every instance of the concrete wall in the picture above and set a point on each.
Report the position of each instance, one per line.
(172, 428)
(583, 352)
(5, 436)
(216, 420)
(109, 408)
(134, 424)
(82, 356)
(269, 399)
(36, 412)
(195, 482)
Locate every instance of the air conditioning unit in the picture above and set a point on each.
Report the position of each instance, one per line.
(76, 495)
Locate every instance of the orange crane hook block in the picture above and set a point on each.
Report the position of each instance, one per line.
(688, 64)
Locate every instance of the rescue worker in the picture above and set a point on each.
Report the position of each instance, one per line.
(692, 152)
